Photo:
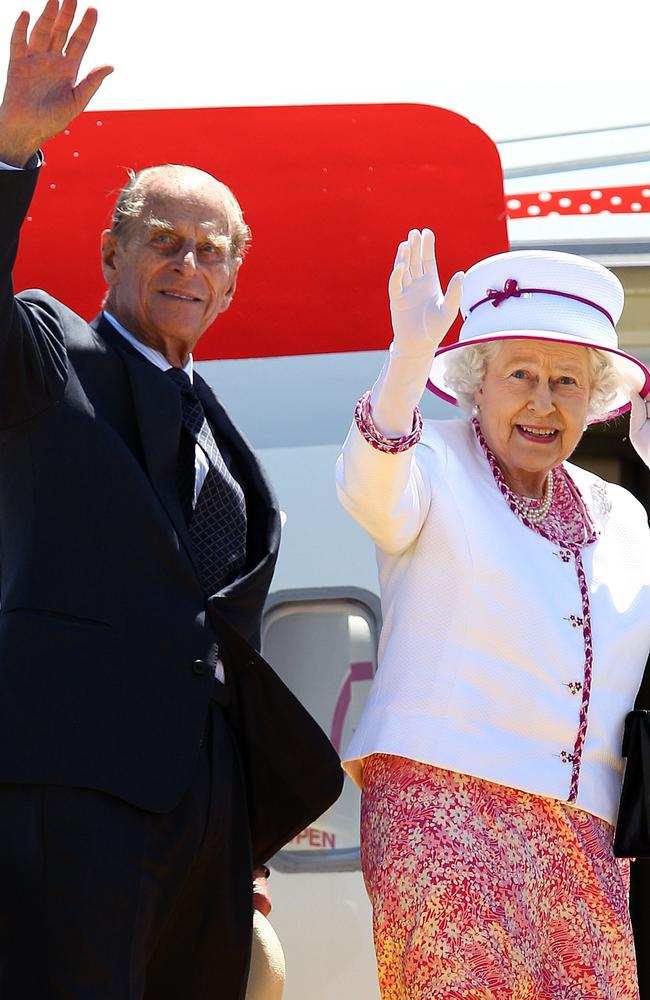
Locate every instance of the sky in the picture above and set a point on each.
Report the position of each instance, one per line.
(515, 68)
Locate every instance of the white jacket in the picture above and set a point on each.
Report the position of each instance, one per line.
(478, 649)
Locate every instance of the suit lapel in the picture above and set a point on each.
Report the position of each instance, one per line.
(158, 412)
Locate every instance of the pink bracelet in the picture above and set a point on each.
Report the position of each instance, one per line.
(367, 429)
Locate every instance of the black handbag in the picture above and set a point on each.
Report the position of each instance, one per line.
(632, 836)
(292, 771)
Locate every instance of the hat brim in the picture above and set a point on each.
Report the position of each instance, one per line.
(634, 376)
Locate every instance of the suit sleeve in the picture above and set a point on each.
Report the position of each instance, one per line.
(33, 364)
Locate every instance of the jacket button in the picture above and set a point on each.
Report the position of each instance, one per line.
(198, 667)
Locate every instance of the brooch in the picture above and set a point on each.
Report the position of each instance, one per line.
(602, 502)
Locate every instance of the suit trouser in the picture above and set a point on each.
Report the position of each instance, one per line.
(102, 901)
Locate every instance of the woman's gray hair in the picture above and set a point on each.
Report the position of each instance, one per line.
(466, 368)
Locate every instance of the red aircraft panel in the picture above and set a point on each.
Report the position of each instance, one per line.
(327, 190)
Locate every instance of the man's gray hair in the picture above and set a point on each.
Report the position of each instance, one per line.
(466, 368)
(132, 199)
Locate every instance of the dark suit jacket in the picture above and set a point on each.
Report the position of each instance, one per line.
(107, 643)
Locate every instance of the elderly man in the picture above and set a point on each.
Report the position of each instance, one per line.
(139, 536)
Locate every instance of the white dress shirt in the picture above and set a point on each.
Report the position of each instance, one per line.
(35, 161)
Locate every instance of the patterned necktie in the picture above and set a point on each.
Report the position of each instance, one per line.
(217, 523)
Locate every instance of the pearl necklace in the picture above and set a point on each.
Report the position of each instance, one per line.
(568, 522)
(534, 510)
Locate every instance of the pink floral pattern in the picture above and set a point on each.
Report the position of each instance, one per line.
(367, 429)
(484, 892)
(568, 524)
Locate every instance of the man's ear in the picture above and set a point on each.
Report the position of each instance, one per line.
(109, 253)
(230, 291)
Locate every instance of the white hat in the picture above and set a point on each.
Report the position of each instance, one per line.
(544, 295)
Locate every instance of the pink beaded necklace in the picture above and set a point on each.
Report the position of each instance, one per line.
(568, 521)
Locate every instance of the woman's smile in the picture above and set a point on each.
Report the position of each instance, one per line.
(539, 435)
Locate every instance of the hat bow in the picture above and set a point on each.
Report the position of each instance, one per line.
(510, 290)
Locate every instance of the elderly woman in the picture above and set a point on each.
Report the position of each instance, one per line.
(516, 602)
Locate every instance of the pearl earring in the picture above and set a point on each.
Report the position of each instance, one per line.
(475, 410)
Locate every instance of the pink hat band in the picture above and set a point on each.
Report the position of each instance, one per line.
(511, 290)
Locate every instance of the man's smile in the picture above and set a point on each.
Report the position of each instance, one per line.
(180, 295)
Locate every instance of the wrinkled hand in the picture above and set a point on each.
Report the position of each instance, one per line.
(261, 895)
(640, 426)
(42, 95)
(420, 313)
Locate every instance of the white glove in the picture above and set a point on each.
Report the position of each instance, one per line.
(420, 313)
(421, 317)
(640, 426)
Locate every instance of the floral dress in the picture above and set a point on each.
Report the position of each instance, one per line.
(486, 892)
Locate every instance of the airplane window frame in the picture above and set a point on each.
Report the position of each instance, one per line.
(327, 859)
